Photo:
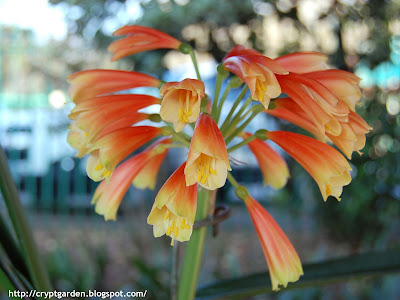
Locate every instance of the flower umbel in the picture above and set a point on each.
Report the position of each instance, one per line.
(106, 127)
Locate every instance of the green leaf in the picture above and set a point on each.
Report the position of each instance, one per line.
(336, 270)
(5, 283)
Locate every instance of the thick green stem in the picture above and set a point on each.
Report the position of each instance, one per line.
(21, 227)
(194, 250)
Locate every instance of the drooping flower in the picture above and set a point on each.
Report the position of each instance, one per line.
(351, 138)
(273, 167)
(344, 85)
(325, 164)
(109, 150)
(181, 102)
(108, 196)
(283, 262)
(207, 161)
(322, 107)
(139, 39)
(174, 209)
(90, 83)
(95, 114)
(257, 71)
(287, 109)
(148, 175)
(77, 139)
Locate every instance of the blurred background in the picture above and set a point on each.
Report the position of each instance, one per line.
(41, 43)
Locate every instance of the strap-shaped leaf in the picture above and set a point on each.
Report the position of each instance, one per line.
(335, 270)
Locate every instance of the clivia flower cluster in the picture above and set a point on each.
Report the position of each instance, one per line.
(298, 88)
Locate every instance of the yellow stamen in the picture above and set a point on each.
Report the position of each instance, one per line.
(169, 229)
(176, 231)
(99, 167)
(167, 216)
(204, 168)
(183, 223)
(172, 242)
(106, 173)
(199, 176)
(328, 189)
(184, 114)
(260, 89)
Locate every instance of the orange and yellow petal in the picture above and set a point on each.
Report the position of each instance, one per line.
(352, 137)
(174, 209)
(148, 175)
(258, 72)
(138, 39)
(283, 261)
(273, 167)
(344, 85)
(303, 62)
(181, 102)
(326, 165)
(108, 196)
(287, 109)
(90, 83)
(78, 139)
(113, 147)
(208, 161)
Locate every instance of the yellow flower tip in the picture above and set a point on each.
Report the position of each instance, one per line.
(174, 209)
(208, 161)
(282, 259)
(95, 169)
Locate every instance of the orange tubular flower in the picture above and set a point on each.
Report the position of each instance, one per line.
(287, 109)
(283, 262)
(181, 103)
(139, 39)
(148, 175)
(344, 85)
(273, 167)
(325, 164)
(257, 71)
(91, 83)
(207, 161)
(109, 150)
(95, 114)
(351, 138)
(174, 209)
(108, 196)
(322, 107)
